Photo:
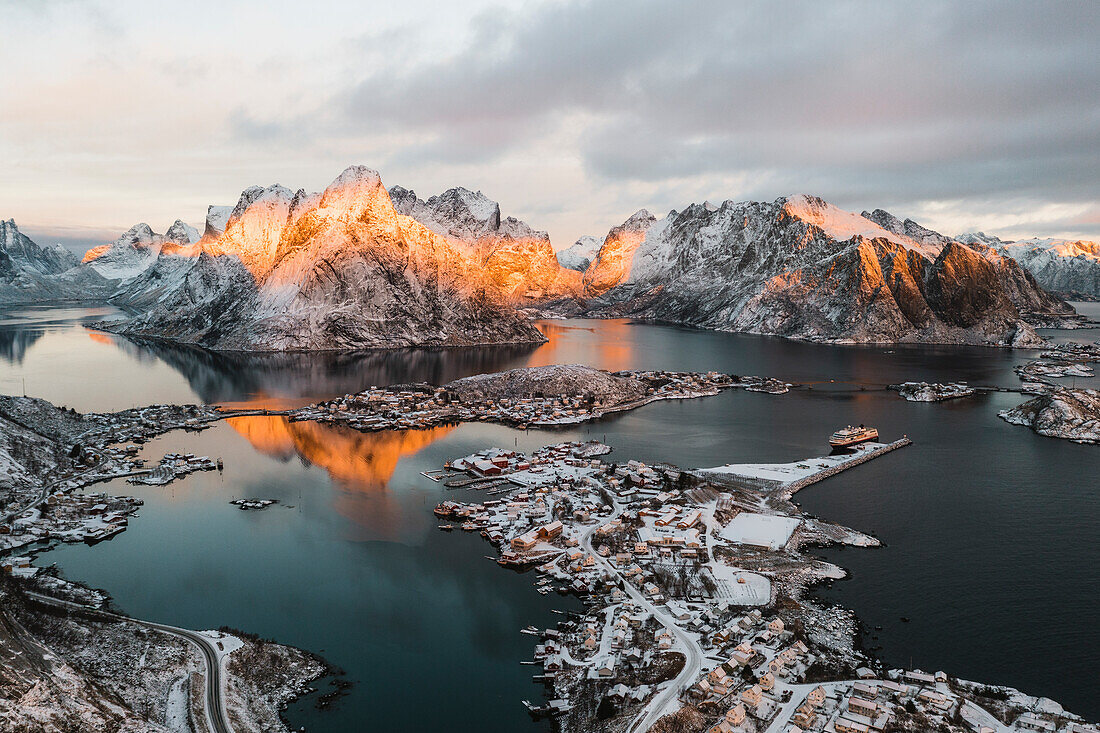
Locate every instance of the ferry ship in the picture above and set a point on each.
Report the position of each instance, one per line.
(850, 436)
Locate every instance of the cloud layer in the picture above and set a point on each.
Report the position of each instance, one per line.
(574, 114)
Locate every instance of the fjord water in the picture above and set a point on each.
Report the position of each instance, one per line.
(990, 548)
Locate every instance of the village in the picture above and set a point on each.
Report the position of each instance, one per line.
(65, 518)
(695, 582)
(52, 506)
(536, 396)
(696, 612)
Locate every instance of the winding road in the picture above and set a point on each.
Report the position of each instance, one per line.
(217, 721)
(693, 653)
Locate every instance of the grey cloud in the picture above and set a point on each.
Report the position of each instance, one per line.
(868, 100)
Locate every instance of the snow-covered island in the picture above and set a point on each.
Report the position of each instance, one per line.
(1064, 412)
(246, 504)
(932, 392)
(560, 394)
(1058, 410)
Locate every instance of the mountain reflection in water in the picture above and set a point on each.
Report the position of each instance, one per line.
(359, 464)
(285, 379)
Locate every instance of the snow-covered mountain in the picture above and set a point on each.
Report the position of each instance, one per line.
(518, 261)
(1070, 268)
(613, 261)
(357, 266)
(579, 255)
(31, 273)
(803, 268)
(22, 252)
(340, 269)
(138, 249)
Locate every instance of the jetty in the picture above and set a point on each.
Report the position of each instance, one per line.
(787, 479)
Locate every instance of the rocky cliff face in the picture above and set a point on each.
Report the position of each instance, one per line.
(803, 268)
(518, 261)
(1067, 267)
(337, 270)
(616, 255)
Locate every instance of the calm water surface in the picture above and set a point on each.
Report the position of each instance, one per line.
(990, 548)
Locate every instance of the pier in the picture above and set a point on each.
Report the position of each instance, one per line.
(792, 488)
(787, 479)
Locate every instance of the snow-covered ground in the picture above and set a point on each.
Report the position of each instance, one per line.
(787, 472)
(761, 530)
(740, 587)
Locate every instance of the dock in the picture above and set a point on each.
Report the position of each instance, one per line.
(787, 479)
(794, 487)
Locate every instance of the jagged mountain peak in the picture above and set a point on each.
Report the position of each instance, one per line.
(981, 238)
(181, 233)
(615, 258)
(139, 234)
(802, 267)
(836, 222)
(907, 228)
(640, 219)
(355, 193)
(457, 213)
(474, 204)
(303, 202)
(24, 254)
(579, 255)
(338, 269)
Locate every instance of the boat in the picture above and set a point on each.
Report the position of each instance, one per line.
(851, 436)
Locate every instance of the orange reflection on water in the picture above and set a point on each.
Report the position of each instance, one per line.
(361, 464)
(101, 338)
(611, 348)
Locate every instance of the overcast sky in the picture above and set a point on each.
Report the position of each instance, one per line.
(573, 115)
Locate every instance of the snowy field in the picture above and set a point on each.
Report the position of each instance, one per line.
(740, 586)
(761, 530)
(787, 472)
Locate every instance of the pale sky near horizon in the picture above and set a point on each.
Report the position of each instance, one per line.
(573, 115)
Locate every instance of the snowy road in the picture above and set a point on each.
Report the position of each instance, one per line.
(693, 654)
(216, 718)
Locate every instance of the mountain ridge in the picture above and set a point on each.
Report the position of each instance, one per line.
(803, 268)
(362, 266)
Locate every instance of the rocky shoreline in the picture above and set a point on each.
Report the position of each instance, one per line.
(85, 665)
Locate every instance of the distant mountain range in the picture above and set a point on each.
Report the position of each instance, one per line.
(803, 268)
(1070, 268)
(33, 274)
(359, 266)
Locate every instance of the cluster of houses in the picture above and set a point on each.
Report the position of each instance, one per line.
(613, 533)
(69, 518)
(765, 654)
(143, 423)
(423, 405)
(173, 466)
